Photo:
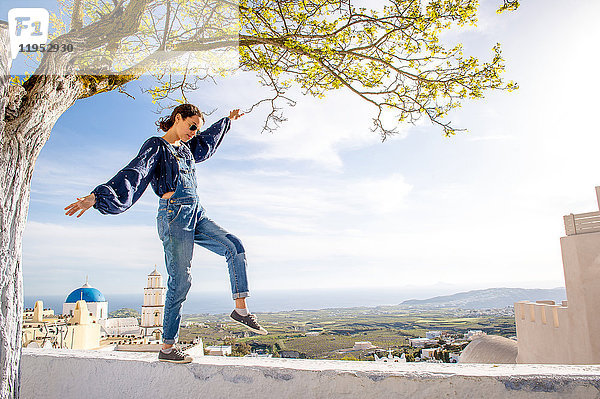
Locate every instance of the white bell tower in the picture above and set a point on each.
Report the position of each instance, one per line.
(153, 307)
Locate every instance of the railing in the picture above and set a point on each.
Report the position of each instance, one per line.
(581, 223)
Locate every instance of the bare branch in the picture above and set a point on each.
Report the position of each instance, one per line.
(77, 17)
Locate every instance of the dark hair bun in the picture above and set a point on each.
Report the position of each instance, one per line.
(185, 110)
(165, 123)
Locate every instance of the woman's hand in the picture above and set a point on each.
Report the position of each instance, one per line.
(233, 115)
(82, 204)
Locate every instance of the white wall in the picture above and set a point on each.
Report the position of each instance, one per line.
(51, 373)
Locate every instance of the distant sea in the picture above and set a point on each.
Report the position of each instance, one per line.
(264, 301)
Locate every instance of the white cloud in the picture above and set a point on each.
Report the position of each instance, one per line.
(492, 137)
(138, 247)
(301, 203)
(316, 131)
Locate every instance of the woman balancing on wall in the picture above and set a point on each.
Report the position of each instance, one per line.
(167, 163)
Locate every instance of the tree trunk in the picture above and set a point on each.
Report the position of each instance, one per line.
(27, 116)
(10, 279)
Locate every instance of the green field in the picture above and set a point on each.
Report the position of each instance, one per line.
(384, 326)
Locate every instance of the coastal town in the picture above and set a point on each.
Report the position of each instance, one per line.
(85, 323)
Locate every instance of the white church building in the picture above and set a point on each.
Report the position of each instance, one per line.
(153, 307)
(95, 301)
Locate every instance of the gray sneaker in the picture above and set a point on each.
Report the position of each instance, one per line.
(175, 356)
(248, 321)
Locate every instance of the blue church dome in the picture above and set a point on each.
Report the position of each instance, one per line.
(87, 293)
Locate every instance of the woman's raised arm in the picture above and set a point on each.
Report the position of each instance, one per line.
(205, 143)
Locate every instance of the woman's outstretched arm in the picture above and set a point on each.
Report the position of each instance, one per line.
(125, 188)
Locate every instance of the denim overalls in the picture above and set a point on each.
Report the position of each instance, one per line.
(181, 222)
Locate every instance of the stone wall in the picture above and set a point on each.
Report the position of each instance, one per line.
(51, 373)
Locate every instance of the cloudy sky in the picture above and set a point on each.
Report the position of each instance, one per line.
(323, 203)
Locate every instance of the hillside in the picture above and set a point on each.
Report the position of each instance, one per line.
(490, 298)
(124, 312)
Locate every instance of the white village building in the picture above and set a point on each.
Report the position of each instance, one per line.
(121, 326)
(433, 334)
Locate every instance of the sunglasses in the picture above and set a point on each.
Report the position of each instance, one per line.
(193, 127)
